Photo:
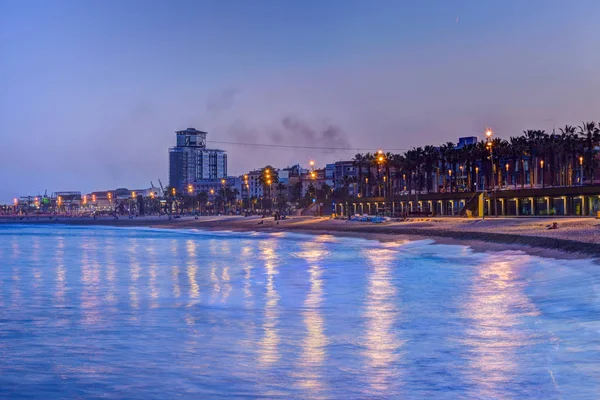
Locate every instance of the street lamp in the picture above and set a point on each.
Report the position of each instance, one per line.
(450, 173)
(191, 193)
(507, 175)
(223, 188)
(489, 144)
(133, 196)
(581, 170)
(542, 165)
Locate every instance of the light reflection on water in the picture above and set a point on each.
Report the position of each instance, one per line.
(138, 313)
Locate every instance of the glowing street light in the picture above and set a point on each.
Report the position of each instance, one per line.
(93, 198)
(581, 170)
(133, 195)
(84, 199)
(488, 134)
(212, 191)
(542, 165)
(173, 191)
(190, 189)
(312, 163)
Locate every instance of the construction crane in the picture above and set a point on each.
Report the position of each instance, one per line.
(161, 187)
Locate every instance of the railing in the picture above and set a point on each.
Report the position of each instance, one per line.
(307, 210)
(469, 204)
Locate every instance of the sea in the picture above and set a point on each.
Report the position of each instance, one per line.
(140, 313)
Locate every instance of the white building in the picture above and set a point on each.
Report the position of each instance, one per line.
(191, 162)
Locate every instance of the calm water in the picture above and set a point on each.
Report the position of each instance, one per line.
(140, 313)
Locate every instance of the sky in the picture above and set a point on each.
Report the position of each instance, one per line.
(91, 92)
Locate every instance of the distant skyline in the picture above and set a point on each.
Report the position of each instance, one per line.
(92, 91)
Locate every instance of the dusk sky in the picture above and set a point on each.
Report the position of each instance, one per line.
(92, 91)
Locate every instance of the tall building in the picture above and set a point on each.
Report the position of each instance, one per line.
(191, 162)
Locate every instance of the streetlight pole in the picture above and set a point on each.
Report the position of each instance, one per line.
(223, 187)
(132, 202)
(542, 165)
(580, 170)
(191, 192)
(488, 135)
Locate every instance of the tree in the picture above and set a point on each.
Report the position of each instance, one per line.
(590, 133)
(431, 158)
(359, 162)
(268, 177)
(202, 199)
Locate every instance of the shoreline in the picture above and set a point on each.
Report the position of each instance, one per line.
(488, 235)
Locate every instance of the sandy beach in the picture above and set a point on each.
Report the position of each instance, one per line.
(575, 237)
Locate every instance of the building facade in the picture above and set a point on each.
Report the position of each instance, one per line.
(191, 162)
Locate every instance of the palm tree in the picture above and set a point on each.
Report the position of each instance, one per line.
(446, 153)
(202, 198)
(468, 157)
(431, 157)
(569, 147)
(590, 133)
(369, 160)
(359, 162)
(268, 176)
(517, 154)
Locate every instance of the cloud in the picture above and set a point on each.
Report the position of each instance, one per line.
(221, 101)
(303, 133)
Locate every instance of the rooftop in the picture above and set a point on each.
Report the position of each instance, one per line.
(191, 131)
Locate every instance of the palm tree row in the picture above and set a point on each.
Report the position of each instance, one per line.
(566, 158)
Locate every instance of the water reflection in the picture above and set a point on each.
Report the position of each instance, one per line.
(247, 262)
(134, 275)
(268, 351)
(90, 280)
(111, 272)
(495, 306)
(61, 272)
(16, 274)
(381, 313)
(313, 353)
(154, 293)
(175, 271)
(192, 269)
(298, 317)
(175, 278)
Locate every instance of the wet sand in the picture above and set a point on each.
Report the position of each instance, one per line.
(575, 238)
